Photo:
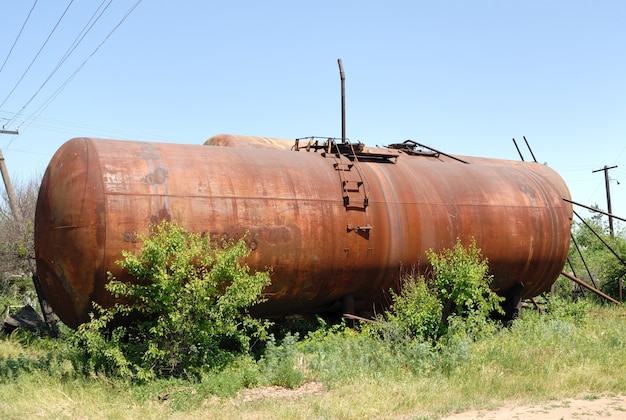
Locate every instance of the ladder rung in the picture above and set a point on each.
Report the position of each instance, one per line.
(343, 166)
(348, 181)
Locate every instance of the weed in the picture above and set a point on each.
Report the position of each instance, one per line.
(280, 364)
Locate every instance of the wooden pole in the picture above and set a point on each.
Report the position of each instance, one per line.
(608, 195)
(15, 209)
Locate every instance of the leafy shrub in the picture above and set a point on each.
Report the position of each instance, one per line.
(458, 289)
(461, 280)
(189, 304)
(415, 313)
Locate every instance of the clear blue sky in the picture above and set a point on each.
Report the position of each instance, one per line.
(464, 77)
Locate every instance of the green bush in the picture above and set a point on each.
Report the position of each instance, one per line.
(461, 280)
(457, 289)
(189, 308)
(415, 313)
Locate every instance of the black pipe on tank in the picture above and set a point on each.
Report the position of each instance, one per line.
(343, 100)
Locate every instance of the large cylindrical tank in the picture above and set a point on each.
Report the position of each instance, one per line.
(328, 225)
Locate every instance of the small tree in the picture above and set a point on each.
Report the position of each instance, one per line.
(189, 304)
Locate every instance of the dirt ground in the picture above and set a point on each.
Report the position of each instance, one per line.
(308, 388)
(584, 408)
(578, 409)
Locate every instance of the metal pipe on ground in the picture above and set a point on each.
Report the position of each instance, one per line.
(593, 289)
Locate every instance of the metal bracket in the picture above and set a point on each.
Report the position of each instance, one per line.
(366, 228)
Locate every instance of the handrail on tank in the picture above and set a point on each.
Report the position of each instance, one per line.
(408, 146)
(351, 150)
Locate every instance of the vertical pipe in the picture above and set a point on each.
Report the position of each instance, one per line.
(343, 100)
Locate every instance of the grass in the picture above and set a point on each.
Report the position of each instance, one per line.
(537, 360)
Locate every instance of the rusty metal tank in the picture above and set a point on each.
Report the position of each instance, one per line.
(331, 220)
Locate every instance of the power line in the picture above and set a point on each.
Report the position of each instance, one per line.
(18, 36)
(59, 126)
(47, 102)
(37, 55)
(28, 152)
(620, 154)
(86, 29)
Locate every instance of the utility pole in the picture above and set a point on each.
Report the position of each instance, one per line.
(3, 131)
(15, 209)
(608, 195)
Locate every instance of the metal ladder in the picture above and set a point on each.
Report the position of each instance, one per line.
(352, 183)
